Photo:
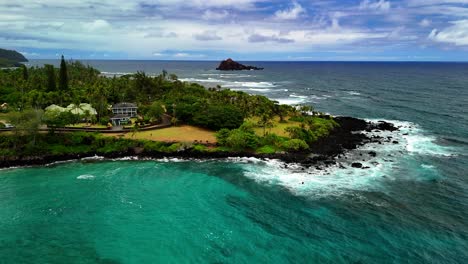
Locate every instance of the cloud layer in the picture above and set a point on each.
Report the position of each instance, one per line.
(248, 29)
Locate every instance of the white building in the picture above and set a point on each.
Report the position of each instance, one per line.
(123, 112)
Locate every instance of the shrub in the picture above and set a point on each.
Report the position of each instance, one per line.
(240, 140)
(222, 136)
(218, 116)
(200, 148)
(297, 119)
(104, 121)
(78, 138)
(271, 139)
(174, 147)
(267, 149)
(2, 125)
(154, 146)
(295, 145)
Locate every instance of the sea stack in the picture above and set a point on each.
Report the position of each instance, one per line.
(230, 65)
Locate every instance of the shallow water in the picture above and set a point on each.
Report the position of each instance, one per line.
(411, 205)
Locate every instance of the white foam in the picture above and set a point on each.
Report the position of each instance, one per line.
(343, 179)
(298, 96)
(416, 140)
(316, 97)
(290, 101)
(259, 90)
(95, 157)
(196, 80)
(85, 177)
(312, 182)
(227, 75)
(250, 84)
(127, 158)
(353, 93)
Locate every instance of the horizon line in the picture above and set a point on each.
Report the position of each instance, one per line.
(213, 60)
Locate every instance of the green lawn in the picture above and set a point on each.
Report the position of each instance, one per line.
(172, 134)
(278, 128)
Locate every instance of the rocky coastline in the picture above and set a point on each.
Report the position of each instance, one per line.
(348, 136)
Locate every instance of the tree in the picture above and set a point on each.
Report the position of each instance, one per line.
(63, 76)
(25, 72)
(218, 116)
(222, 136)
(155, 111)
(266, 121)
(50, 73)
(26, 123)
(282, 111)
(240, 140)
(56, 118)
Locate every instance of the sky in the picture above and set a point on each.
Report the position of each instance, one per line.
(321, 30)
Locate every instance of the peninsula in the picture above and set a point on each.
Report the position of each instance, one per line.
(51, 114)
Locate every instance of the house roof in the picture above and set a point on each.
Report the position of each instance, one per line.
(124, 105)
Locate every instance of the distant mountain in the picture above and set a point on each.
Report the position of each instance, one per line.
(11, 58)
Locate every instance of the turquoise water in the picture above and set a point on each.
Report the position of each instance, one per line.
(217, 211)
(410, 206)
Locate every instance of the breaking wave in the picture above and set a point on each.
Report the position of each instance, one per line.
(407, 146)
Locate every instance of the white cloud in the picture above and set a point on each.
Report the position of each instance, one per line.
(425, 22)
(290, 13)
(380, 5)
(28, 54)
(97, 25)
(213, 15)
(184, 55)
(207, 35)
(435, 2)
(263, 38)
(456, 34)
(400, 34)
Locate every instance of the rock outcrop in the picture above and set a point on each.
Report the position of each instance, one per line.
(230, 65)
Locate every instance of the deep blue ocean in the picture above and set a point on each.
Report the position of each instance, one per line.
(411, 206)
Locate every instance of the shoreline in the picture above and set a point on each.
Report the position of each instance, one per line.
(322, 153)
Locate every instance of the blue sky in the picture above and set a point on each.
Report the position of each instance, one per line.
(363, 30)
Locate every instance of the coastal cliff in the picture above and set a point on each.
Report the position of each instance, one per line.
(11, 58)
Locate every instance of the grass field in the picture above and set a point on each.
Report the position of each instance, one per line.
(172, 134)
(278, 128)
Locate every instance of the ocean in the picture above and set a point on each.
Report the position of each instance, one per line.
(410, 206)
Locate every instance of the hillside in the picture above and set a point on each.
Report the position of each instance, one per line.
(11, 58)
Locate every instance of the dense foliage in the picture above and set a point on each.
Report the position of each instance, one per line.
(39, 87)
(27, 91)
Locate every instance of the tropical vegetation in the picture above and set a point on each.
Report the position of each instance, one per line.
(36, 97)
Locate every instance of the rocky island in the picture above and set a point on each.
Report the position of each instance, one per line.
(231, 65)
